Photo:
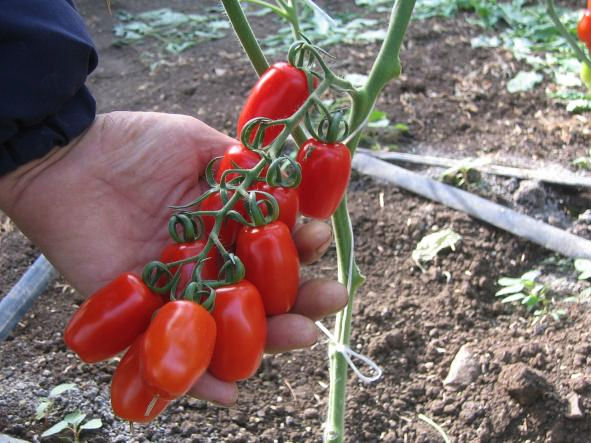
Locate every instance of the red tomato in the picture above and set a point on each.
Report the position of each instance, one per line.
(239, 316)
(272, 264)
(180, 251)
(326, 168)
(277, 94)
(229, 229)
(237, 156)
(177, 348)
(130, 395)
(111, 319)
(584, 28)
(288, 201)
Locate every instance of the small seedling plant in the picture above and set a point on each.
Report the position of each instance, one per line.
(75, 423)
(525, 290)
(46, 405)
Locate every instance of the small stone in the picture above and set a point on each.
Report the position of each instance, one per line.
(390, 437)
(574, 407)
(450, 409)
(579, 361)
(239, 417)
(464, 369)
(437, 407)
(484, 431)
(524, 384)
(580, 384)
(470, 411)
(386, 343)
(310, 413)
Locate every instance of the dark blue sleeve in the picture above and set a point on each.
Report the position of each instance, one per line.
(46, 54)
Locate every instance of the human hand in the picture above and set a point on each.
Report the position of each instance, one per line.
(100, 206)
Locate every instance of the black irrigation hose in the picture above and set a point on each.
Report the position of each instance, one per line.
(20, 298)
(543, 234)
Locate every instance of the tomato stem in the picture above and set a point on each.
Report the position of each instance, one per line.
(580, 54)
(386, 67)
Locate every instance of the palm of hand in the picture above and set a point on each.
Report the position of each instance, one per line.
(119, 179)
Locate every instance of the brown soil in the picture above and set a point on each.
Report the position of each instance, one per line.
(411, 323)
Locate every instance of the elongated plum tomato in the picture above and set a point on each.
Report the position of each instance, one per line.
(326, 168)
(239, 316)
(111, 319)
(278, 93)
(584, 28)
(180, 251)
(177, 348)
(287, 199)
(130, 395)
(229, 228)
(272, 264)
(237, 156)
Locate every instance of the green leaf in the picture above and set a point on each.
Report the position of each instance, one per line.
(373, 35)
(509, 290)
(531, 275)
(95, 423)
(579, 105)
(60, 389)
(508, 281)
(513, 298)
(74, 418)
(58, 427)
(524, 81)
(42, 409)
(402, 127)
(530, 300)
(432, 244)
(484, 41)
(583, 266)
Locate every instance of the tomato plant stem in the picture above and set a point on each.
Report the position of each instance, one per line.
(246, 35)
(385, 68)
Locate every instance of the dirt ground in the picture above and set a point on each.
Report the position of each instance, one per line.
(521, 377)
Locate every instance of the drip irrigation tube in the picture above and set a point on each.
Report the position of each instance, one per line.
(543, 234)
(22, 296)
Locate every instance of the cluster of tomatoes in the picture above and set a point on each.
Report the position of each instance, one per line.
(171, 341)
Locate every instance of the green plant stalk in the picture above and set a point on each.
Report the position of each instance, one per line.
(386, 68)
(292, 17)
(569, 38)
(246, 35)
